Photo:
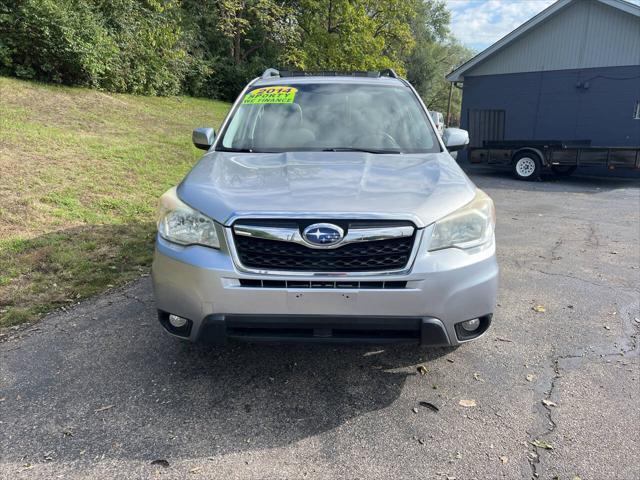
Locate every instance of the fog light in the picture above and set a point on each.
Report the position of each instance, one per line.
(176, 321)
(471, 325)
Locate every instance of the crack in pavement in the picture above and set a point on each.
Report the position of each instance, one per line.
(593, 239)
(585, 280)
(534, 454)
(630, 335)
(554, 250)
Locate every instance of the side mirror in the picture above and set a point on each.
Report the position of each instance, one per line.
(455, 139)
(203, 138)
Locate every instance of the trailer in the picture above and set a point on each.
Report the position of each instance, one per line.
(528, 158)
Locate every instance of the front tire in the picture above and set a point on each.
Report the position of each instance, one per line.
(527, 166)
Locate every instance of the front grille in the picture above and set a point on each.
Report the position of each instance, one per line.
(366, 256)
(349, 285)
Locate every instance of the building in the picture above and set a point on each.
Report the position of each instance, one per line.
(571, 73)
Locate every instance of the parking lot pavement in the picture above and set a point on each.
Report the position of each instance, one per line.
(101, 392)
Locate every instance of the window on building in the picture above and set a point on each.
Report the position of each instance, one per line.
(636, 111)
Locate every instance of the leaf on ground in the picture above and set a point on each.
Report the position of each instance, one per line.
(429, 405)
(195, 470)
(531, 377)
(414, 410)
(477, 377)
(504, 459)
(542, 444)
(422, 370)
(549, 403)
(539, 309)
(161, 462)
(102, 409)
(607, 327)
(467, 403)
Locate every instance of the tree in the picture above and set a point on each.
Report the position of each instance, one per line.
(250, 25)
(118, 45)
(213, 48)
(354, 34)
(436, 53)
(231, 41)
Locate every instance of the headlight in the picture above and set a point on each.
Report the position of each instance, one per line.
(179, 223)
(468, 227)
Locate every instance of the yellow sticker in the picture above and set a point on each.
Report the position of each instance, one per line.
(270, 95)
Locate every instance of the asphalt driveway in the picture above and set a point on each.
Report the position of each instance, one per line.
(99, 391)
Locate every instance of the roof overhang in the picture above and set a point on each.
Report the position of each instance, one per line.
(457, 75)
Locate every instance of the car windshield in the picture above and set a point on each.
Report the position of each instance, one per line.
(329, 117)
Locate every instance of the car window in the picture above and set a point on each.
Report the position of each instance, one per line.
(320, 117)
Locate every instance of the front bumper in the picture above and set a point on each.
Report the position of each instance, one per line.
(443, 288)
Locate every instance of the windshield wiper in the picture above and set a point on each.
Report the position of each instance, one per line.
(366, 150)
(238, 150)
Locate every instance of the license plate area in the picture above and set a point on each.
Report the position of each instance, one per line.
(322, 302)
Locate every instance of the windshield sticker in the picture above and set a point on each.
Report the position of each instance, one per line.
(270, 95)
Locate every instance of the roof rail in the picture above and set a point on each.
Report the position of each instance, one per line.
(270, 72)
(327, 73)
(388, 72)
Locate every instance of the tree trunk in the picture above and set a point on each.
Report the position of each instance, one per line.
(237, 55)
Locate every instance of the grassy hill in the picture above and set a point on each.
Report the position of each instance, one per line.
(80, 174)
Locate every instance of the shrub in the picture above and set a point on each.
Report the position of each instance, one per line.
(133, 46)
(55, 40)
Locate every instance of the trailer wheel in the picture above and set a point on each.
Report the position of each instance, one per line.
(563, 171)
(527, 166)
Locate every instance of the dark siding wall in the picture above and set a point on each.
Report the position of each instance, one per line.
(550, 106)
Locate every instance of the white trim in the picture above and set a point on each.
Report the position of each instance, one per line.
(457, 75)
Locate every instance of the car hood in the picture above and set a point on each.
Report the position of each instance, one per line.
(418, 187)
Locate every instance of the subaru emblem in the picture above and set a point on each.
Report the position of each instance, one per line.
(323, 234)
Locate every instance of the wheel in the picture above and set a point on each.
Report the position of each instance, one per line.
(563, 171)
(527, 166)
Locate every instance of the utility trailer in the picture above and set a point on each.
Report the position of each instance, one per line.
(528, 158)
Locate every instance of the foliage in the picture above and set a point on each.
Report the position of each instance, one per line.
(152, 57)
(55, 40)
(436, 53)
(251, 25)
(347, 35)
(212, 48)
(118, 45)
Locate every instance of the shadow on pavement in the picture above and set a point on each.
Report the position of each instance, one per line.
(119, 386)
(580, 182)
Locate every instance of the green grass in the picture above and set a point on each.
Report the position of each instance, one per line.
(81, 174)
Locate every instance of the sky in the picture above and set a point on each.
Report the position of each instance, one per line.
(479, 23)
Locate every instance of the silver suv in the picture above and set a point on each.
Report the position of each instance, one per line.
(327, 209)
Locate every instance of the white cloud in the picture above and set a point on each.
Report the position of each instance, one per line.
(479, 23)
